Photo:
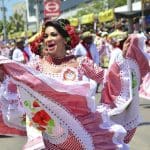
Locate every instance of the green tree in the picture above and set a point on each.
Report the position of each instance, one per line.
(16, 23)
(1, 26)
(116, 3)
(96, 6)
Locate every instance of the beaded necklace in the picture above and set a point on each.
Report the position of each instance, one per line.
(58, 61)
(56, 68)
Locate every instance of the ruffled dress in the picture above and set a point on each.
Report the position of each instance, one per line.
(63, 111)
(121, 85)
(145, 86)
(12, 114)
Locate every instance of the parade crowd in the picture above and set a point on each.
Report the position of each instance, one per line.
(49, 82)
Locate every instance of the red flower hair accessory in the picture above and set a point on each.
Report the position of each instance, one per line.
(73, 38)
(67, 31)
(36, 42)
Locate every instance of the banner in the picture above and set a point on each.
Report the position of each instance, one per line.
(51, 8)
(87, 19)
(74, 21)
(105, 16)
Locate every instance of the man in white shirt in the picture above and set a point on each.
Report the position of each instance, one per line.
(18, 52)
(87, 47)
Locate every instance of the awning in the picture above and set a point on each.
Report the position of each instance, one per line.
(128, 14)
(74, 21)
(132, 14)
(89, 18)
(105, 16)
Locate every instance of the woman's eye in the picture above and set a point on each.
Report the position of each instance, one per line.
(54, 34)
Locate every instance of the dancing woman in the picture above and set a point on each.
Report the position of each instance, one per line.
(57, 100)
(121, 85)
(145, 86)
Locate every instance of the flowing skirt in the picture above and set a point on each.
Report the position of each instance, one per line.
(145, 87)
(64, 112)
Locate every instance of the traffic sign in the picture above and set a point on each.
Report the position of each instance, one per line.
(51, 8)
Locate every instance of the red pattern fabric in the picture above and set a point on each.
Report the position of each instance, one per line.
(136, 54)
(129, 136)
(92, 71)
(26, 56)
(101, 138)
(145, 87)
(112, 86)
(6, 129)
(70, 144)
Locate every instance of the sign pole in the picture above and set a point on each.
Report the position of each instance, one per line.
(129, 4)
(37, 15)
(143, 18)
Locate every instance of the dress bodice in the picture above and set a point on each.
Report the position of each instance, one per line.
(64, 71)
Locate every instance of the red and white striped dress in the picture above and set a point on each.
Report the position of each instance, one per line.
(63, 111)
(121, 86)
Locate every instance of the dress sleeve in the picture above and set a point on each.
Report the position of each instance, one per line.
(91, 70)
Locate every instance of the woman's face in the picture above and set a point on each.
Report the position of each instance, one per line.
(54, 42)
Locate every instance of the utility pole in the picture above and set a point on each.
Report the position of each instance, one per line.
(37, 15)
(129, 6)
(143, 16)
(26, 23)
(3, 9)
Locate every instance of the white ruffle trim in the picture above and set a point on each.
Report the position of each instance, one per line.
(68, 121)
(127, 96)
(63, 117)
(12, 112)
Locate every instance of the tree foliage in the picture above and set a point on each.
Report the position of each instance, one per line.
(116, 3)
(97, 6)
(1, 26)
(14, 24)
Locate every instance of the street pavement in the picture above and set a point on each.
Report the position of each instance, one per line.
(141, 140)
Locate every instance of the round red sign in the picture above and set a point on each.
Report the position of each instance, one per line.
(52, 6)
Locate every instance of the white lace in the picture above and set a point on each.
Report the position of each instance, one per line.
(63, 117)
(53, 80)
(68, 121)
(10, 107)
(128, 97)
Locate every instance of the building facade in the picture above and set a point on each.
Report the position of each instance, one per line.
(35, 11)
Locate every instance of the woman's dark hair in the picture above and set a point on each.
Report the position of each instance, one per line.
(59, 25)
(20, 44)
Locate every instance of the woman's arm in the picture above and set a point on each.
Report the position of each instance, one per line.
(91, 70)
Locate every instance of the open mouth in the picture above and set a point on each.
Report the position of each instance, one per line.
(51, 46)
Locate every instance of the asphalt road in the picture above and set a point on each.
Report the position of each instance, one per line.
(141, 140)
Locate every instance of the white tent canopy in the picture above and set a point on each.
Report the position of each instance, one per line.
(135, 7)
